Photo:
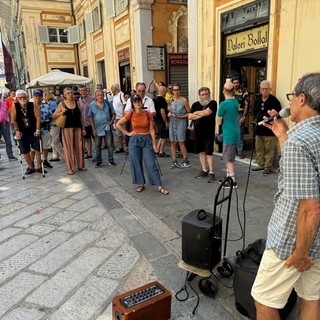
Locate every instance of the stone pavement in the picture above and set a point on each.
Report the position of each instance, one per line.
(69, 244)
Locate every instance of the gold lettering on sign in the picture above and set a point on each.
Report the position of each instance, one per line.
(248, 40)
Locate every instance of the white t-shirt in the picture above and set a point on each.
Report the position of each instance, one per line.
(147, 103)
(118, 104)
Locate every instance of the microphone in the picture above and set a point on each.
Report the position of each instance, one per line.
(283, 113)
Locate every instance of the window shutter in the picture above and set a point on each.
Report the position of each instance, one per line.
(73, 35)
(125, 4)
(89, 22)
(99, 17)
(43, 34)
(110, 7)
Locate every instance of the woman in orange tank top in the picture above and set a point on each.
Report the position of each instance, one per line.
(142, 146)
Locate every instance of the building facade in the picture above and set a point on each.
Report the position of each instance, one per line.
(197, 43)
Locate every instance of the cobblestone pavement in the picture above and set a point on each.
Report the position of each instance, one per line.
(69, 244)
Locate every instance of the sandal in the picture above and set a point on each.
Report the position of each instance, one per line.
(163, 191)
(70, 172)
(140, 188)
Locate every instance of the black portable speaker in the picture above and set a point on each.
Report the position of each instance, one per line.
(201, 240)
(246, 268)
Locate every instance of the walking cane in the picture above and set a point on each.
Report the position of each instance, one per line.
(124, 162)
(20, 157)
(42, 168)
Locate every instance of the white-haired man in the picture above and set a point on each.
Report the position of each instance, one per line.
(119, 103)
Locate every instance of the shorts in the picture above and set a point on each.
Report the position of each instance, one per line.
(27, 142)
(118, 132)
(229, 152)
(203, 145)
(46, 141)
(88, 134)
(274, 282)
(163, 131)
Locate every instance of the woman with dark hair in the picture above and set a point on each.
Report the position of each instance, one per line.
(142, 145)
(178, 113)
(72, 132)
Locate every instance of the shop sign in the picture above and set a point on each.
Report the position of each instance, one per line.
(178, 59)
(123, 55)
(248, 40)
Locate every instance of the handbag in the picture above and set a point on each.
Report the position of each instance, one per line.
(61, 121)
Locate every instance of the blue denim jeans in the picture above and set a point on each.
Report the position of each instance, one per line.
(140, 148)
(98, 143)
(5, 132)
(241, 134)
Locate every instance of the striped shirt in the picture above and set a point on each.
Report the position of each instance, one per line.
(298, 179)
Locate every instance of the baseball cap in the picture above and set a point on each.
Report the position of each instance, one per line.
(135, 97)
(37, 92)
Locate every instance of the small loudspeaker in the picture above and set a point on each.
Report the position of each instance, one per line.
(201, 240)
(152, 301)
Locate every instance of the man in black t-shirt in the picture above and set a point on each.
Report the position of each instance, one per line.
(203, 114)
(161, 120)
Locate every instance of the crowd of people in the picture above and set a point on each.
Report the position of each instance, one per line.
(91, 119)
(292, 255)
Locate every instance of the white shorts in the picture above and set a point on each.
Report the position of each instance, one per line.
(274, 282)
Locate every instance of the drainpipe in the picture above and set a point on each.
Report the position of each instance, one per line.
(77, 48)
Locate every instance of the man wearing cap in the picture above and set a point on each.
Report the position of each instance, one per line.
(26, 124)
(101, 116)
(46, 118)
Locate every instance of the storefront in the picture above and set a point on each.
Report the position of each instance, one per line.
(178, 71)
(124, 70)
(244, 44)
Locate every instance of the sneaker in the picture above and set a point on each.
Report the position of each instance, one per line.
(174, 164)
(266, 171)
(202, 174)
(227, 185)
(112, 164)
(211, 177)
(40, 170)
(29, 171)
(257, 169)
(47, 164)
(163, 155)
(88, 157)
(184, 164)
(97, 165)
(13, 158)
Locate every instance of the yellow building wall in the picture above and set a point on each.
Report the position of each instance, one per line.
(161, 14)
(39, 57)
(299, 49)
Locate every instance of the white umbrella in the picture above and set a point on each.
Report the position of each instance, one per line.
(57, 77)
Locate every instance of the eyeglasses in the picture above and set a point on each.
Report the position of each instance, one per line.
(290, 95)
(170, 88)
(175, 89)
(20, 98)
